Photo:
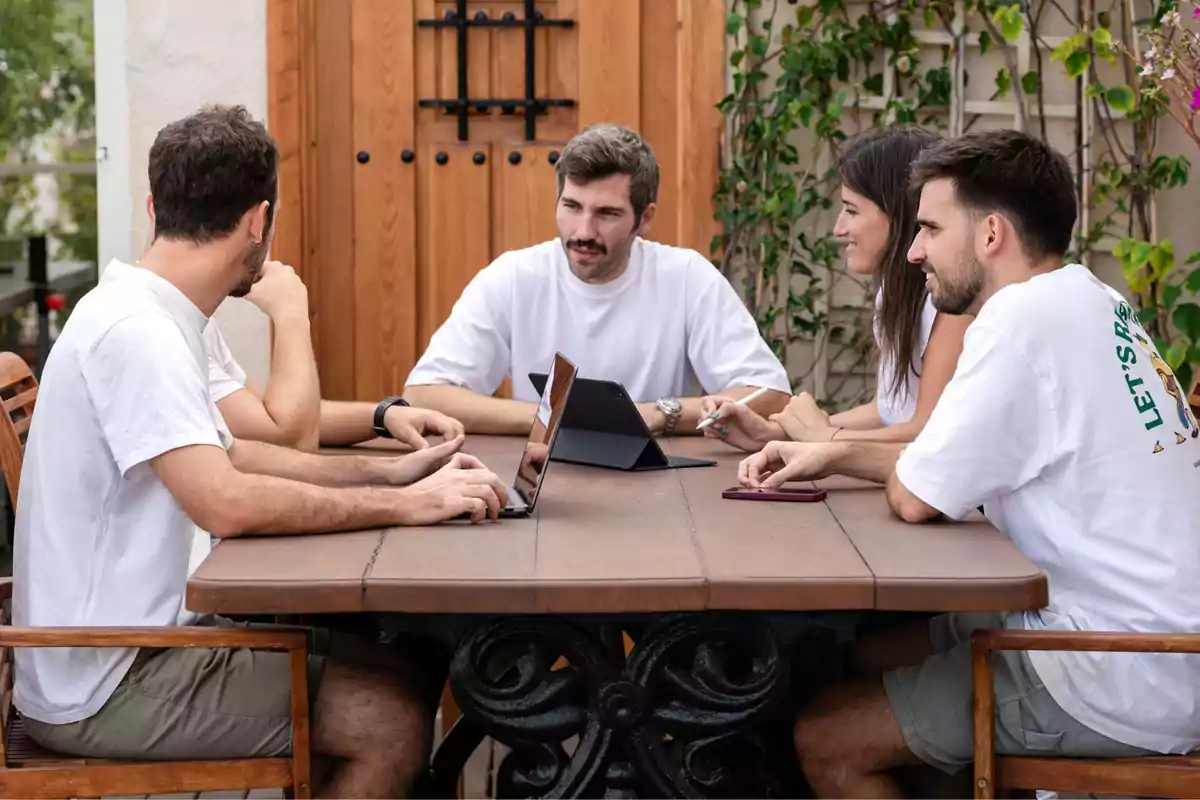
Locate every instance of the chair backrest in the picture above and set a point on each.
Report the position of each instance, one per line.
(18, 391)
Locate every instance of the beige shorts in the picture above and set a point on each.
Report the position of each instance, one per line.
(933, 700)
(193, 703)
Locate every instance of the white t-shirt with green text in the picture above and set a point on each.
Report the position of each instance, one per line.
(1063, 421)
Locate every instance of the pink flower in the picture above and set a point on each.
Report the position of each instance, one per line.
(1195, 104)
(1196, 13)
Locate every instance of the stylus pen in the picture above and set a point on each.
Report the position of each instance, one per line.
(711, 418)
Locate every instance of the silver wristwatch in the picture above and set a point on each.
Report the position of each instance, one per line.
(672, 409)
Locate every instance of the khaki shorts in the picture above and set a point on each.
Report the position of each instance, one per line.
(193, 703)
(932, 702)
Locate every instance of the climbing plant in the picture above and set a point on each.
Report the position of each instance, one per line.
(806, 76)
(786, 117)
(1168, 84)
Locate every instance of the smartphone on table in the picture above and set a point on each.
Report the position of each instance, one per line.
(784, 494)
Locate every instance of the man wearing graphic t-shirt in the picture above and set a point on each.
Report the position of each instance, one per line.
(1062, 421)
(128, 453)
(660, 320)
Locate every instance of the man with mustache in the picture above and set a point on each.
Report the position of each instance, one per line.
(127, 454)
(660, 320)
(1060, 426)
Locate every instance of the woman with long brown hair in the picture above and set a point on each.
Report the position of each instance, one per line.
(918, 347)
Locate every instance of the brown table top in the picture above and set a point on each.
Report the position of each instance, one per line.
(610, 541)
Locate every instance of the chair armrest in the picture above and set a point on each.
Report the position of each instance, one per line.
(983, 642)
(175, 636)
(294, 641)
(1100, 641)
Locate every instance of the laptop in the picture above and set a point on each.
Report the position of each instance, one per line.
(522, 495)
(602, 427)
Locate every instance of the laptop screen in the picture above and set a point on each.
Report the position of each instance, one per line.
(545, 428)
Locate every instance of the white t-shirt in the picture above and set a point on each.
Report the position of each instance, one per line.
(1060, 422)
(99, 539)
(899, 406)
(671, 324)
(225, 375)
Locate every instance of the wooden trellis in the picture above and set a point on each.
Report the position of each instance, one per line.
(1018, 109)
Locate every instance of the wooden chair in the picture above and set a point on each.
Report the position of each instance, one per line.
(18, 391)
(26, 770)
(1155, 776)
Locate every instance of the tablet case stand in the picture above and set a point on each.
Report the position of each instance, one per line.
(601, 427)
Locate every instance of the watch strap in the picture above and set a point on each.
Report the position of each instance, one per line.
(381, 411)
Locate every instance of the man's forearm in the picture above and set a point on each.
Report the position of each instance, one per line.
(478, 413)
(869, 461)
(259, 458)
(764, 405)
(265, 504)
(346, 423)
(876, 461)
(293, 394)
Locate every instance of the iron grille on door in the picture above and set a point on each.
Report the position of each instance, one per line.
(462, 104)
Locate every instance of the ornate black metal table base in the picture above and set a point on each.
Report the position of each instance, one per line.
(698, 708)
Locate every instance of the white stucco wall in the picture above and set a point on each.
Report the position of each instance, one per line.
(157, 61)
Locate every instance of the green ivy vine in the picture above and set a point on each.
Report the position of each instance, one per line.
(805, 80)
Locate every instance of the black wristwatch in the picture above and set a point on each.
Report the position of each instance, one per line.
(381, 410)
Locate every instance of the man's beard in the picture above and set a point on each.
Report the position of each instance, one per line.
(253, 264)
(958, 295)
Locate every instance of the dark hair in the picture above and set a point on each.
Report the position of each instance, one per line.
(1010, 173)
(877, 165)
(207, 170)
(602, 150)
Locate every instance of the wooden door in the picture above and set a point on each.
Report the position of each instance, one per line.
(393, 193)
